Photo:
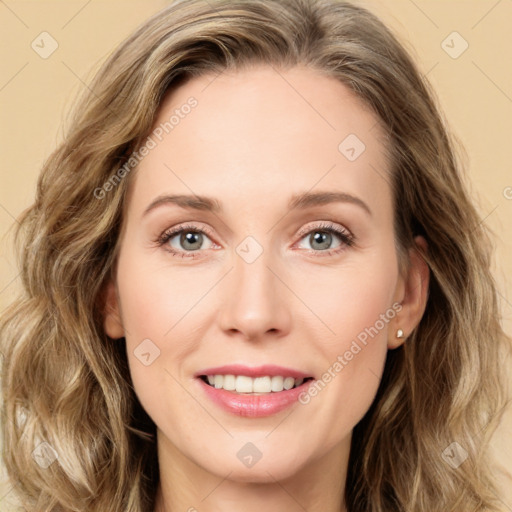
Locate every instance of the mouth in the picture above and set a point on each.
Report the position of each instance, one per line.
(255, 396)
(246, 385)
(253, 391)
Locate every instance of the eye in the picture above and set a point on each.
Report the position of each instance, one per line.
(190, 240)
(320, 238)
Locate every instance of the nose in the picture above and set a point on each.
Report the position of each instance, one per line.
(255, 302)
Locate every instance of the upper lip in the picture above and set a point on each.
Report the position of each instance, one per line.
(270, 370)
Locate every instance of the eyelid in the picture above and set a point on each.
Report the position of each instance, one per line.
(196, 227)
(325, 225)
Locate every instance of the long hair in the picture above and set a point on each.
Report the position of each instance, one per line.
(66, 386)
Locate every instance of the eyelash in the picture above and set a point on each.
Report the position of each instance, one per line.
(345, 236)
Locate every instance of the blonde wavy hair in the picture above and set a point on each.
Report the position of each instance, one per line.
(66, 383)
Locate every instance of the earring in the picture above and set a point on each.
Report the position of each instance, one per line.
(399, 333)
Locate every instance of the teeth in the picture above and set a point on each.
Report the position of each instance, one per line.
(261, 385)
(288, 383)
(229, 382)
(244, 384)
(277, 384)
(218, 381)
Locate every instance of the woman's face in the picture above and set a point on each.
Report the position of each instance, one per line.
(287, 259)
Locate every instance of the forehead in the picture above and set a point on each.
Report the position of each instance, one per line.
(262, 131)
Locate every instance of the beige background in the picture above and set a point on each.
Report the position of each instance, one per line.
(474, 89)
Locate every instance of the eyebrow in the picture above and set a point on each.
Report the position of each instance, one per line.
(297, 202)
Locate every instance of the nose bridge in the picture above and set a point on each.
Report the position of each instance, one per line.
(255, 304)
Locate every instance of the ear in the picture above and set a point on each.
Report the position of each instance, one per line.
(112, 322)
(412, 294)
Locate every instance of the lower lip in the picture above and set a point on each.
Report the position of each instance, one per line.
(254, 406)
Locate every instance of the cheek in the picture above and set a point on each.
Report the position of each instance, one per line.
(154, 298)
(358, 308)
(153, 313)
(163, 313)
(348, 301)
(347, 389)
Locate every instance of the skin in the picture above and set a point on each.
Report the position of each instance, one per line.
(257, 137)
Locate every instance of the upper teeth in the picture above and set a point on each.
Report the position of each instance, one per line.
(244, 384)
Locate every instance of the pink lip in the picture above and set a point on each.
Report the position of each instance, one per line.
(252, 406)
(270, 370)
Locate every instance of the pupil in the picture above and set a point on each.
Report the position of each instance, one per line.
(189, 239)
(326, 237)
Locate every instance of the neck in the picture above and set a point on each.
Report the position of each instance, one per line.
(185, 486)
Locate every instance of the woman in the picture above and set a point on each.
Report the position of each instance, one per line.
(142, 373)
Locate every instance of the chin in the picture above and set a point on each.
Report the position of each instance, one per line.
(266, 470)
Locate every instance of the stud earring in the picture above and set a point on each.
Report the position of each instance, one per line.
(399, 333)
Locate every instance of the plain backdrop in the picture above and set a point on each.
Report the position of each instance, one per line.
(463, 47)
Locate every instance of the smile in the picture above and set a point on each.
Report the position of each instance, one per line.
(249, 385)
(253, 391)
